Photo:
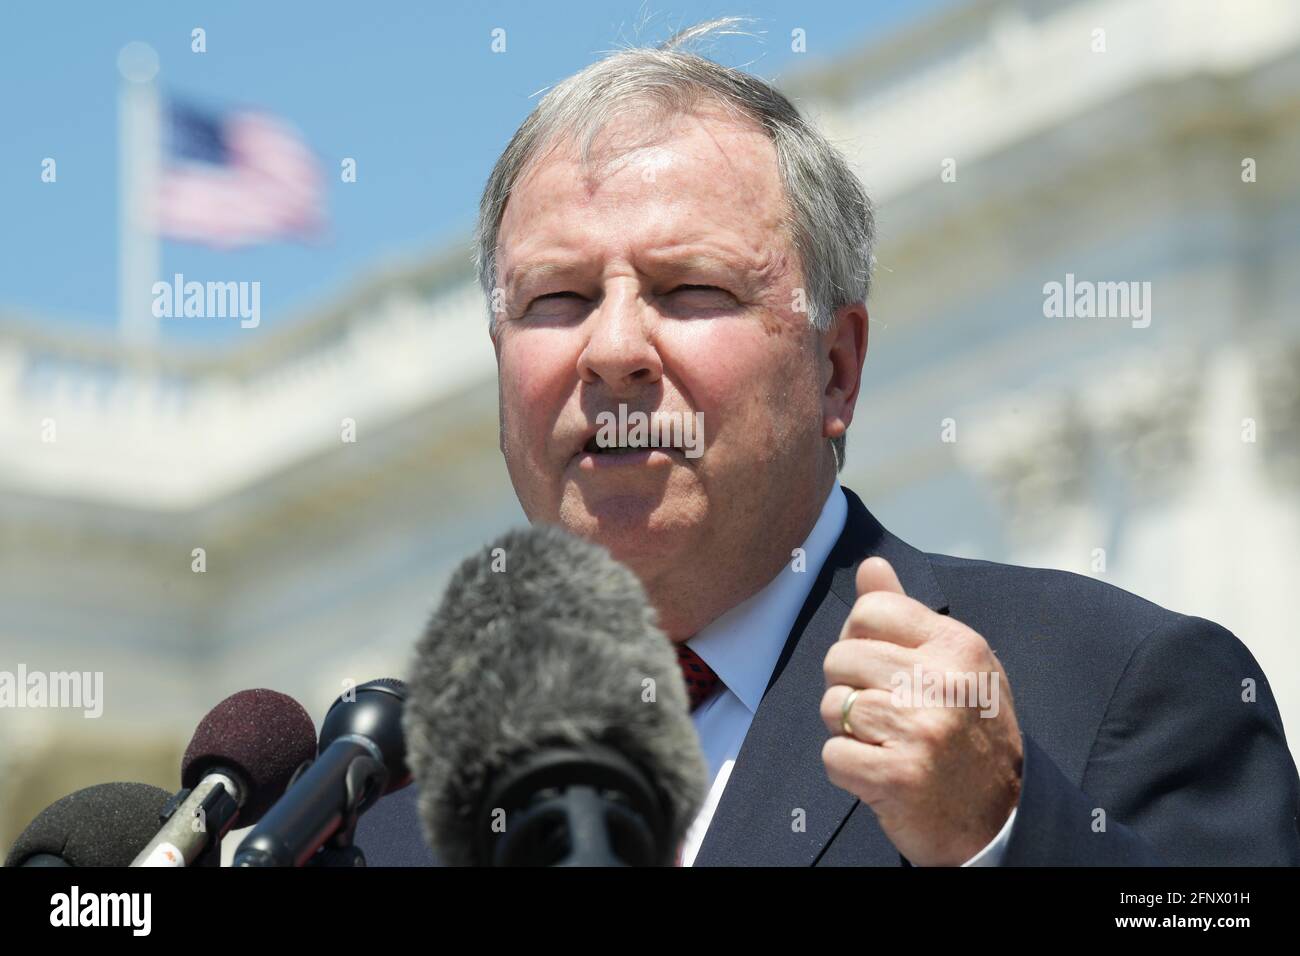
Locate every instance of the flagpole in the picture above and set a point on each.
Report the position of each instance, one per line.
(139, 160)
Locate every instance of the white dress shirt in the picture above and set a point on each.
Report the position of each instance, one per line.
(742, 646)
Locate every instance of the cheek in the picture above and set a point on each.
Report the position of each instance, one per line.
(751, 386)
(536, 375)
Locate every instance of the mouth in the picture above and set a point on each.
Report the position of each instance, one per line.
(593, 447)
(623, 439)
(594, 456)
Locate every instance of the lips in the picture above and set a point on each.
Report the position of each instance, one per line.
(624, 460)
(637, 436)
(593, 457)
(594, 448)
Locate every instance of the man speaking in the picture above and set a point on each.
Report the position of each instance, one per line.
(666, 241)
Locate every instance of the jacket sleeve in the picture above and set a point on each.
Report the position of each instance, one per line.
(1190, 766)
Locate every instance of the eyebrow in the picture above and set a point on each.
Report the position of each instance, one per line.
(672, 261)
(678, 262)
(740, 269)
(538, 270)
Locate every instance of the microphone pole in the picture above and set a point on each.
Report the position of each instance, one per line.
(362, 757)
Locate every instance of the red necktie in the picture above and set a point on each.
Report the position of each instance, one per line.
(700, 679)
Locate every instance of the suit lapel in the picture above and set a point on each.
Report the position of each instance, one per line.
(778, 780)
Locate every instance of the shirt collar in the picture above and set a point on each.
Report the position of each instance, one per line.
(743, 645)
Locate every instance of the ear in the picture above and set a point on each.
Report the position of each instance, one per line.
(494, 333)
(843, 350)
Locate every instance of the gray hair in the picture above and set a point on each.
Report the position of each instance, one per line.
(829, 217)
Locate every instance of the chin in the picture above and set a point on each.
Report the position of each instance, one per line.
(641, 532)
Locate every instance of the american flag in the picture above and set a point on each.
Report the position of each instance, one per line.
(236, 180)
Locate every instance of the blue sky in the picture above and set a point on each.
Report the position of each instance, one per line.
(411, 90)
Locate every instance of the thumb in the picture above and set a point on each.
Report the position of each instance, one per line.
(876, 574)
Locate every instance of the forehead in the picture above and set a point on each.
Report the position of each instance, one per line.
(672, 180)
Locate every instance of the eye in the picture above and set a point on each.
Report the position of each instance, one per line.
(553, 304)
(702, 296)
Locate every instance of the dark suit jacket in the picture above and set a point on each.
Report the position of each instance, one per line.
(1132, 718)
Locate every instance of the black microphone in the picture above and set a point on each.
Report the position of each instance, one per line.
(242, 756)
(548, 721)
(103, 825)
(362, 758)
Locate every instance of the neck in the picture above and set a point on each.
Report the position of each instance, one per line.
(690, 595)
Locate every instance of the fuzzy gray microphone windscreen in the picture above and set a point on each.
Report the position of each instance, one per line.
(543, 639)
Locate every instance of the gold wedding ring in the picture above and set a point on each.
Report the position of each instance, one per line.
(844, 711)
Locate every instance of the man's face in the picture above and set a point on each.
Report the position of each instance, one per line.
(663, 281)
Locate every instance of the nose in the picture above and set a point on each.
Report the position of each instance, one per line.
(619, 351)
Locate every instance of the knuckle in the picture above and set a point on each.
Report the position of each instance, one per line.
(870, 605)
(829, 710)
(909, 776)
(830, 756)
(916, 775)
(968, 657)
(897, 776)
(933, 728)
(963, 649)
